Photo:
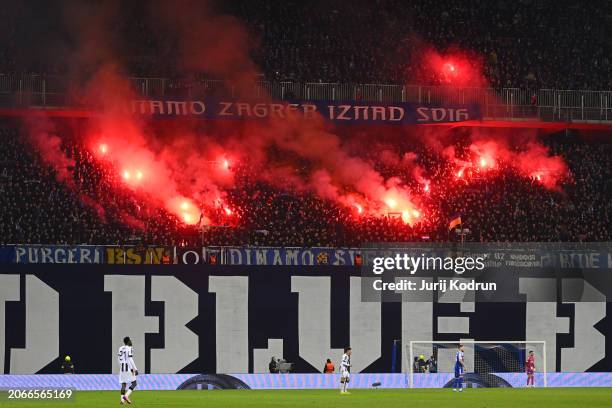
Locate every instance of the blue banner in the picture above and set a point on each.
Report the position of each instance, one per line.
(7, 254)
(289, 256)
(83, 254)
(523, 255)
(347, 112)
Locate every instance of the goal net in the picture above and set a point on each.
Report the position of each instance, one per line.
(487, 363)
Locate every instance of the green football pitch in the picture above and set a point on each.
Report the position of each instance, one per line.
(438, 398)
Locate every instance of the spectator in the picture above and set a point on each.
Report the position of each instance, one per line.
(432, 365)
(329, 367)
(67, 366)
(422, 364)
(273, 366)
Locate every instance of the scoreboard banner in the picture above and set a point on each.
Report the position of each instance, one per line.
(234, 319)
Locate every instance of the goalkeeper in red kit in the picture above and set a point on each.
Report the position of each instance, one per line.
(530, 369)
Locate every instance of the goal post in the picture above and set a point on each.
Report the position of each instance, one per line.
(487, 363)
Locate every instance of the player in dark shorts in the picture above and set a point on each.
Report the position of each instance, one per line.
(530, 369)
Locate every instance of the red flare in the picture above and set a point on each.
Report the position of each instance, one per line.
(449, 67)
(391, 203)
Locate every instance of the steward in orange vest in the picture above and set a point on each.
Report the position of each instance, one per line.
(329, 367)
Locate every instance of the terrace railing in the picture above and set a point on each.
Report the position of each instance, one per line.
(24, 90)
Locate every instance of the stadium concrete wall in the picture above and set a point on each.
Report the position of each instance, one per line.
(233, 319)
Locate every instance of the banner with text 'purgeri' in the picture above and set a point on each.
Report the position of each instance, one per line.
(338, 112)
(86, 254)
(52, 254)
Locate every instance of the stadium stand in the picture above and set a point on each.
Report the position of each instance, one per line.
(92, 207)
(532, 44)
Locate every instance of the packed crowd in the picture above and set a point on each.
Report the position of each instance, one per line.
(86, 203)
(527, 43)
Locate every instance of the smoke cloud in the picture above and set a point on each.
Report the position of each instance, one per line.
(186, 168)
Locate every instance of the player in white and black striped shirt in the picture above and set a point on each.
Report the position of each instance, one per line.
(345, 370)
(127, 369)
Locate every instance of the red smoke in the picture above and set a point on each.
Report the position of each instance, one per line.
(187, 170)
(453, 68)
(45, 139)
